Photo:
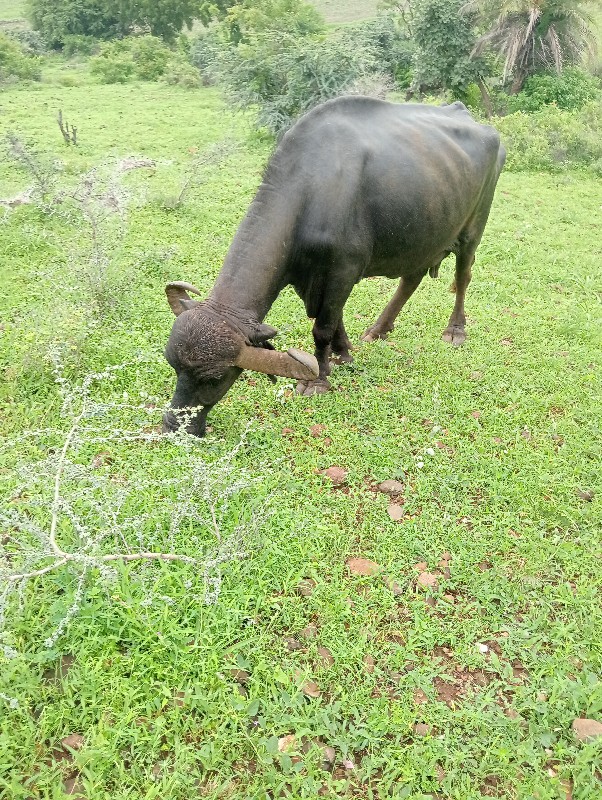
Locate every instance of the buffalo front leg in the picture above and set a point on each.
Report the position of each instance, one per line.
(455, 333)
(323, 333)
(384, 324)
(341, 345)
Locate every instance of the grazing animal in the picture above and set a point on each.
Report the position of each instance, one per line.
(358, 187)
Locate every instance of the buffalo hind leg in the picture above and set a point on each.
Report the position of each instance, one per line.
(384, 324)
(455, 333)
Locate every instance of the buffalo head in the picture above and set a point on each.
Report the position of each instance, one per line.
(209, 348)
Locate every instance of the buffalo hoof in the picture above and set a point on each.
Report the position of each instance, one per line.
(309, 388)
(454, 335)
(372, 334)
(343, 358)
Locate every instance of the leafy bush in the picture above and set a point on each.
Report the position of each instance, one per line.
(29, 41)
(142, 57)
(249, 18)
(445, 38)
(389, 44)
(570, 90)
(205, 52)
(107, 19)
(15, 64)
(552, 139)
(181, 73)
(112, 67)
(59, 19)
(78, 44)
(151, 56)
(285, 77)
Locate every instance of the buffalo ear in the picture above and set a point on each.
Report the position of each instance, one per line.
(188, 304)
(178, 297)
(260, 333)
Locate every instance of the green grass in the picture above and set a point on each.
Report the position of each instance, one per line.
(351, 11)
(512, 419)
(11, 10)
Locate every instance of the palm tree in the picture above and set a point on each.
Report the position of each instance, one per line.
(531, 35)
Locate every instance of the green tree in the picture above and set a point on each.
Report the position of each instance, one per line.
(249, 18)
(536, 35)
(445, 36)
(107, 19)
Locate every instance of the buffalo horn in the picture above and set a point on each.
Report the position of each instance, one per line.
(178, 291)
(292, 364)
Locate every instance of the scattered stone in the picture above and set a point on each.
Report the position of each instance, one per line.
(369, 664)
(475, 414)
(74, 787)
(427, 580)
(391, 487)
(317, 430)
(420, 566)
(75, 741)
(393, 586)
(326, 656)
(240, 675)
(292, 644)
(286, 743)
(396, 512)
(310, 632)
(329, 753)
(586, 730)
(306, 587)
(587, 495)
(337, 475)
(362, 566)
(482, 648)
(311, 689)
(422, 729)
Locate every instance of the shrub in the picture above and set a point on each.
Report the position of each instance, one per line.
(59, 19)
(570, 90)
(553, 139)
(112, 67)
(143, 57)
(151, 56)
(15, 64)
(180, 73)
(30, 42)
(78, 44)
(285, 77)
(388, 43)
(205, 52)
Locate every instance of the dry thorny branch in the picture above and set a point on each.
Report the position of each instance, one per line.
(69, 514)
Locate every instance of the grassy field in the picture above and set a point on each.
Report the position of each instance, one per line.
(463, 690)
(336, 11)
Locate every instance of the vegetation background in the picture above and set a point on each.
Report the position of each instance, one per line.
(328, 638)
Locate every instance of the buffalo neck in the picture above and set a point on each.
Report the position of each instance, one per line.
(255, 269)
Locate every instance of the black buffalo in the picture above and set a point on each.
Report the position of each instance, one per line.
(358, 187)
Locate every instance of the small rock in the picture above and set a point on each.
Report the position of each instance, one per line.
(475, 414)
(586, 730)
(422, 729)
(74, 787)
(587, 495)
(391, 487)
(306, 587)
(311, 689)
(369, 664)
(362, 566)
(317, 430)
(75, 741)
(326, 656)
(420, 566)
(328, 753)
(286, 743)
(393, 586)
(287, 431)
(292, 644)
(427, 580)
(396, 512)
(310, 632)
(482, 648)
(337, 475)
(348, 764)
(240, 675)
